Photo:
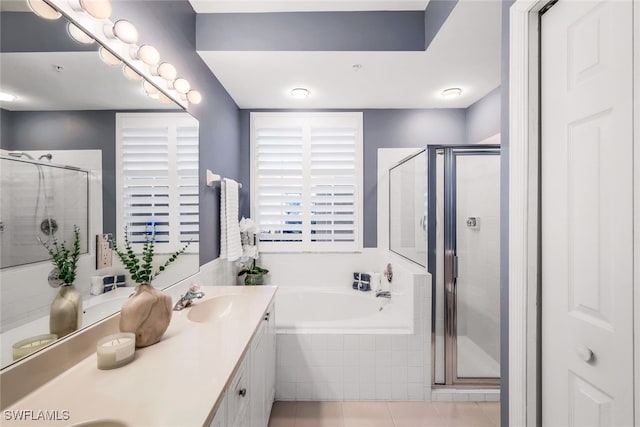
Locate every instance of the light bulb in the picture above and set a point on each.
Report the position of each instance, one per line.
(148, 54)
(78, 35)
(99, 9)
(108, 57)
(150, 90)
(194, 97)
(164, 98)
(130, 73)
(181, 85)
(43, 10)
(300, 93)
(124, 31)
(166, 71)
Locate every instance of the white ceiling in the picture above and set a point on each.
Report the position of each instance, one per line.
(465, 53)
(33, 78)
(222, 6)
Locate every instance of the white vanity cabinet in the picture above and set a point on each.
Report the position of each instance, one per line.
(263, 366)
(249, 396)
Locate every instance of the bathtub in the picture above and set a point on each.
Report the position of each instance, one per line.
(343, 311)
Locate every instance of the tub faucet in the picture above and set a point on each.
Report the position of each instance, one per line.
(388, 273)
(383, 294)
(187, 299)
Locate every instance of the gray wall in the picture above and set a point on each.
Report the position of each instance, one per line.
(483, 117)
(382, 129)
(171, 27)
(68, 130)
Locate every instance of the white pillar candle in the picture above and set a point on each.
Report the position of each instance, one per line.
(116, 350)
(29, 345)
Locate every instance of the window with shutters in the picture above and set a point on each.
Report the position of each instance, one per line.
(157, 179)
(306, 180)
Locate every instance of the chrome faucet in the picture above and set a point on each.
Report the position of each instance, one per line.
(383, 294)
(187, 299)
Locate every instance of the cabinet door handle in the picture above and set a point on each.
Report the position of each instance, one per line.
(267, 315)
(243, 392)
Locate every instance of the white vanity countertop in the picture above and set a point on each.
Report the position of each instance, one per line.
(176, 382)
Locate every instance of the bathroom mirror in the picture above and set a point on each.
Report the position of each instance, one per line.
(68, 103)
(407, 212)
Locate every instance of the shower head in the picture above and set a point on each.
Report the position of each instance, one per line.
(47, 156)
(21, 154)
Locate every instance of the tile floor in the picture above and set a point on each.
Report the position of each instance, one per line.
(385, 414)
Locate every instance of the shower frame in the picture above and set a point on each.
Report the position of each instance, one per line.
(451, 379)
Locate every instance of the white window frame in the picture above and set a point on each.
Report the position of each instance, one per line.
(173, 121)
(305, 118)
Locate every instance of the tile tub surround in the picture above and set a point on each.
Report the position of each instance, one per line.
(359, 366)
(189, 368)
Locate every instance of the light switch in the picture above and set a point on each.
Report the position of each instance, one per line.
(104, 253)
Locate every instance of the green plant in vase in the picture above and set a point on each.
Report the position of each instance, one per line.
(65, 315)
(254, 274)
(148, 311)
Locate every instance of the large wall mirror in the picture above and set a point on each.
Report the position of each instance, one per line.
(76, 128)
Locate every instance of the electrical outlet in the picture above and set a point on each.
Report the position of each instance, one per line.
(104, 253)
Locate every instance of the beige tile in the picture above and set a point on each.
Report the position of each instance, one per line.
(491, 410)
(366, 414)
(283, 414)
(319, 414)
(415, 414)
(462, 414)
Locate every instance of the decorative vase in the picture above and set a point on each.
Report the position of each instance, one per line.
(254, 279)
(147, 314)
(66, 311)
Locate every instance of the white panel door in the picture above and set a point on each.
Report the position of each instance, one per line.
(587, 214)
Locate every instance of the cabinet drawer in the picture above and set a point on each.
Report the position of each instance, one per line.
(239, 393)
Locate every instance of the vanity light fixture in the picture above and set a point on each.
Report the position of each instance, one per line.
(108, 57)
(300, 93)
(181, 85)
(130, 73)
(122, 30)
(194, 97)
(165, 70)
(99, 9)
(164, 98)
(78, 35)
(7, 97)
(146, 53)
(43, 10)
(452, 92)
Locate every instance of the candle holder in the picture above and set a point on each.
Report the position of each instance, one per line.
(116, 350)
(29, 345)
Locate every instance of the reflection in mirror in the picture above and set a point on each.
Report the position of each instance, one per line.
(66, 105)
(407, 201)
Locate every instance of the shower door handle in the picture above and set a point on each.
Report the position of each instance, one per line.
(455, 267)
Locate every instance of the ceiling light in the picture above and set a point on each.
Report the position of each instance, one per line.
(130, 73)
(452, 92)
(99, 9)
(300, 93)
(194, 97)
(7, 97)
(148, 54)
(123, 30)
(181, 85)
(78, 35)
(108, 57)
(43, 10)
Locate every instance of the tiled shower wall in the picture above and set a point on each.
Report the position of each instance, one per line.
(359, 366)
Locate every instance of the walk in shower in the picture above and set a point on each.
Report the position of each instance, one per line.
(463, 218)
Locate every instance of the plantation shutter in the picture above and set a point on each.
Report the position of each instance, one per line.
(306, 177)
(157, 179)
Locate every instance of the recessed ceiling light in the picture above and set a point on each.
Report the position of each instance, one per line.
(7, 97)
(452, 92)
(300, 93)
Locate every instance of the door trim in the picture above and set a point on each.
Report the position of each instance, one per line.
(524, 361)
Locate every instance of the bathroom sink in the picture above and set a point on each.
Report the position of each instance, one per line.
(100, 423)
(217, 308)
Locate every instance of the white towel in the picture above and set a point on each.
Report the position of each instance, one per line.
(230, 245)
